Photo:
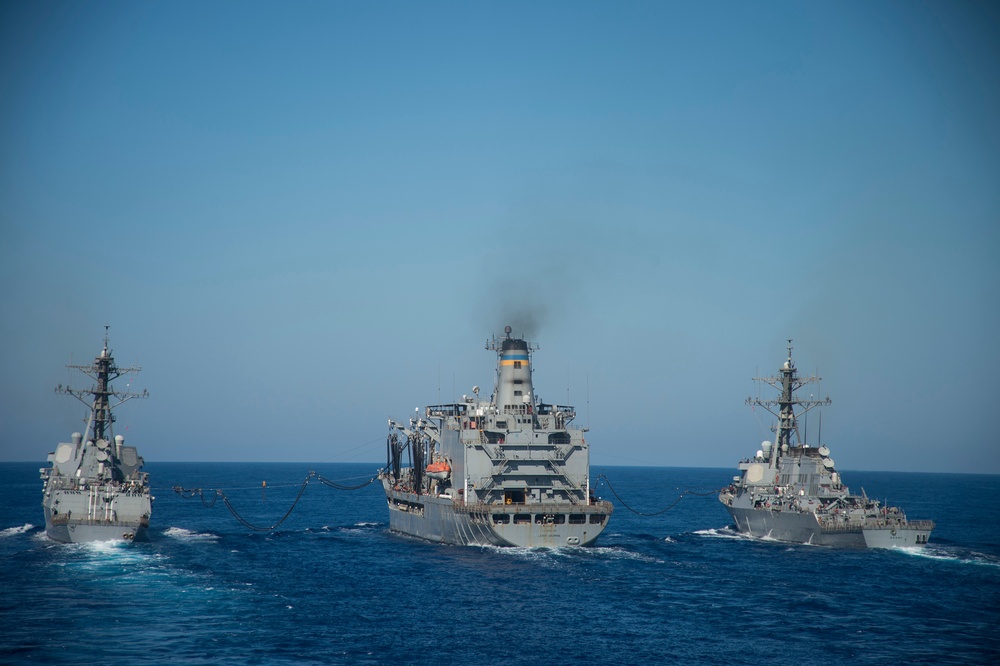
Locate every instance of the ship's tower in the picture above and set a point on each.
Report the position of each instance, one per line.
(514, 392)
(788, 425)
(103, 370)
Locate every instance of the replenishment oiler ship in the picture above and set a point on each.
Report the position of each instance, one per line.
(95, 489)
(790, 491)
(509, 471)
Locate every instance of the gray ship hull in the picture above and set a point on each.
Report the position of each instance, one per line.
(805, 528)
(70, 516)
(83, 532)
(444, 520)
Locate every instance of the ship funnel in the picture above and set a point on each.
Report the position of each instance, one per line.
(514, 389)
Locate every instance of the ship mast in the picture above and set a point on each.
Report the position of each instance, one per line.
(103, 371)
(787, 383)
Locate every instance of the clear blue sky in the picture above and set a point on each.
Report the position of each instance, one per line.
(304, 218)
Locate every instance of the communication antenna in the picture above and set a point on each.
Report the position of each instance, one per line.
(807, 422)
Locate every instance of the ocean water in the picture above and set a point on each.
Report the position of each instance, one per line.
(332, 585)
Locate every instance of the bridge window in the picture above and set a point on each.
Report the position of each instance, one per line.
(559, 438)
(596, 519)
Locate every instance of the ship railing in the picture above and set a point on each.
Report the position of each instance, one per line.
(841, 527)
(597, 506)
(526, 451)
(66, 518)
(485, 483)
(494, 451)
(852, 526)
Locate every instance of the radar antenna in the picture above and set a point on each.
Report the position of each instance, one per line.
(103, 371)
(787, 384)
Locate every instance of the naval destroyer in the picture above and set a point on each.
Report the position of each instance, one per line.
(95, 489)
(508, 471)
(790, 491)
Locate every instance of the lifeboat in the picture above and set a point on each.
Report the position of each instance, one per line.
(438, 470)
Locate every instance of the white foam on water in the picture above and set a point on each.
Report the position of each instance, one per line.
(357, 527)
(615, 553)
(14, 531)
(107, 555)
(188, 535)
(942, 554)
(722, 533)
(106, 547)
(545, 557)
(563, 552)
(511, 551)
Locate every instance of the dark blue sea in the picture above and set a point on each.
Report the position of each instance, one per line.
(332, 585)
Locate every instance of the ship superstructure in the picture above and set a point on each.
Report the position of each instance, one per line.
(508, 471)
(95, 489)
(790, 491)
